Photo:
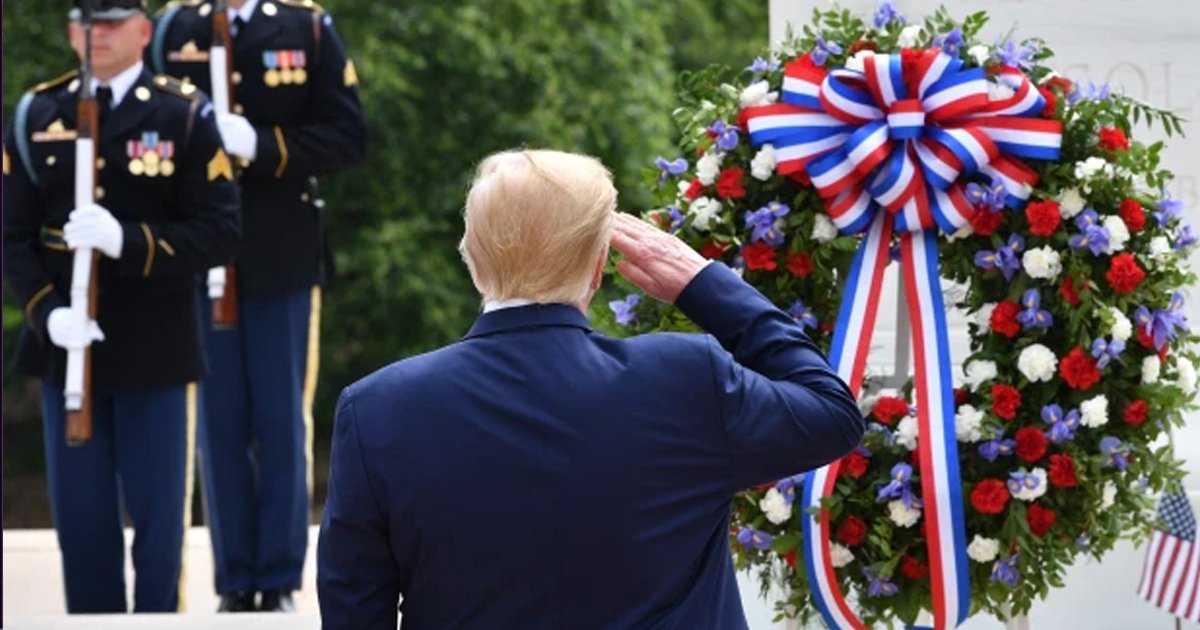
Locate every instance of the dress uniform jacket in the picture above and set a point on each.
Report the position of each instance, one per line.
(176, 223)
(294, 83)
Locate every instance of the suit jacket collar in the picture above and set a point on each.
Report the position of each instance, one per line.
(132, 109)
(261, 27)
(524, 317)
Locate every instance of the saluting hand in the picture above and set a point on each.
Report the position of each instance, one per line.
(657, 262)
(94, 226)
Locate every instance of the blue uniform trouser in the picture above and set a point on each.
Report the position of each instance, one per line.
(256, 439)
(139, 456)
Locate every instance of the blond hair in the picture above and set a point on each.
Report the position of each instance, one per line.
(536, 223)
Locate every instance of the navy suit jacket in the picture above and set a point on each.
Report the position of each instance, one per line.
(538, 474)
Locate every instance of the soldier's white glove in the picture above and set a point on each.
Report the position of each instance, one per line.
(94, 226)
(71, 329)
(238, 135)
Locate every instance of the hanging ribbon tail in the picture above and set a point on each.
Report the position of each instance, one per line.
(851, 343)
(941, 486)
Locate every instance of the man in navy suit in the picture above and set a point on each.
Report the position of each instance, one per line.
(538, 474)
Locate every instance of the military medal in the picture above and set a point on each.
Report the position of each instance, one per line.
(136, 167)
(271, 63)
(166, 165)
(151, 156)
(285, 62)
(284, 67)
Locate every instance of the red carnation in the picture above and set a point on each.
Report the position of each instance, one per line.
(1005, 401)
(961, 397)
(889, 408)
(1062, 84)
(1039, 519)
(852, 531)
(1031, 444)
(1113, 139)
(713, 249)
(1004, 319)
(1070, 290)
(800, 264)
(1062, 471)
(790, 559)
(695, 190)
(989, 496)
(854, 465)
(1123, 274)
(1133, 215)
(1135, 413)
(913, 569)
(729, 184)
(985, 222)
(759, 256)
(1044, 217)
(1079, 370)
(1051, 107)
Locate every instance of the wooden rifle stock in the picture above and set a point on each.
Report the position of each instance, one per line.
(224, 308)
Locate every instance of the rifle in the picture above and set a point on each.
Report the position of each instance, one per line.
(84, 288)
(222, 281)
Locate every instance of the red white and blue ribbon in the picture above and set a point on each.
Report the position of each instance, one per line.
(889, 149)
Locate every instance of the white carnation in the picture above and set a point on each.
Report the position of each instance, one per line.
(824, 230)
(683, 186)
(758, 93)
(762, 167)
(999, 91)
(1122, 328)
(906, 433)
(1109, 497)
(983, 317)
(1042, 262)
(979, 372)
(968, 424)
(983, 549)
(1151, 369)
(901, 515)
(979, 53)
(1186, 380)
(1160, 248)
(1027, 494)
(1118, 234)
(775, 507)
(1070, 203)
(1037, 363)
(1094, 411)
(1091, 168)
(909, 36)
(708, 167)
(840, 555)
(705, 210)
(858, 61)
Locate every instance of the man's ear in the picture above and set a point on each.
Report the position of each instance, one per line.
(598, 274)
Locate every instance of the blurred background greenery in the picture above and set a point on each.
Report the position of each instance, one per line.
(443, 84)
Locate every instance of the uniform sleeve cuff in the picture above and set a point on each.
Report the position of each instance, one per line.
(137, 250)
(270, 154)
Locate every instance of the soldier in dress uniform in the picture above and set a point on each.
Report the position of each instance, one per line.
(167, 208)
(297, 116)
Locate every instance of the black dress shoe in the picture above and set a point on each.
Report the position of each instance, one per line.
(237, 602)
(277, 601)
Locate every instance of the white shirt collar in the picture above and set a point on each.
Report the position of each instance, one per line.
(122, 83)
(490, 306)
(245, 12)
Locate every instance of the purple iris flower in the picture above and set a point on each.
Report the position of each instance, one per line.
(1106, 351)
(1184, 238)
(1092, 235)
(991, 196)
(726, 135)
(1168, 208)
(879, 587)
(1016, 56)
(762, 223)
(1005, 570)
(1019, 480)
(821, 52)
(1116, 452)
(1092, 92)
(751, 538)
(1084, 541)
(803, 314)
(1062, 428)
(623, 309)
(787, 487)
(1005, 259)
(1034, 316)
(676, 167)
(886, 14)
(900, 487)
(950, 42)
(676, 219)
(761, 65)
(1162, 323)
(992, 449)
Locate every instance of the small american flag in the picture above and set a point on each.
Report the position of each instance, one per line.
(1171, 575)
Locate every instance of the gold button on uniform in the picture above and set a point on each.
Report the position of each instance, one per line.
(269, 9)
(142, 93)
(237, 109)
(304, 197)
(100, 163)
(50, 160)
(99, 193)
(236, 76)
(205, 9)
